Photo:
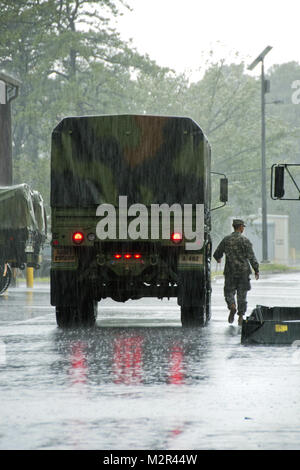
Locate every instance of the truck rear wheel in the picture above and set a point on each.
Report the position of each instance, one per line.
(84, 314)
(193, 316)
(5, 280)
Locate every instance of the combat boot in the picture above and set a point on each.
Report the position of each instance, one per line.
(232, 313)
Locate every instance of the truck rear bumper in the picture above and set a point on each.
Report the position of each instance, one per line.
(67, 289)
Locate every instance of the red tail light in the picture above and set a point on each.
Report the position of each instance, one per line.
(128, 256)
(78, 237)
(176, 237)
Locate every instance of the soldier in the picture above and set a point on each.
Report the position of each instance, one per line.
(239, 253)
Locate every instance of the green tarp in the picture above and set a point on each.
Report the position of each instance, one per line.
(39, 211)
(17, 209)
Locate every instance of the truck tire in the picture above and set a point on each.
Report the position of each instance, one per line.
(208, 282)
(208, 298)
(84, 314)
(193, 316)
(5, 280)
(208, 306)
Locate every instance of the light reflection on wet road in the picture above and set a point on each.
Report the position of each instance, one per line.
(139, 381)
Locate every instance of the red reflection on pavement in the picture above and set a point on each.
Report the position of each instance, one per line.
(176, 432)
(128, 360)
(78, 370)
(176, 375)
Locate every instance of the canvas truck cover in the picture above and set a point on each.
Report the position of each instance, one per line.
(39, 211)
(16, 208)
(150, 159)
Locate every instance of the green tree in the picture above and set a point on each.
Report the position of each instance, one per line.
(70, 61)
(226, 104)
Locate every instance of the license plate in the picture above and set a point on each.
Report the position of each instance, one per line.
(190, 259)
(64, 255)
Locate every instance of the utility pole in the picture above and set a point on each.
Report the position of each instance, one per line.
(9, 88)
(264, 90)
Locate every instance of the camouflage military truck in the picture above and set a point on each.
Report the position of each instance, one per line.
(104, 171)
(21, 228)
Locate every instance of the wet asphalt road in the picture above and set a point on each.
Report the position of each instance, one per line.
(139, 381)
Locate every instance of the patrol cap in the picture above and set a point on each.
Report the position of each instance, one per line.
(238, 222)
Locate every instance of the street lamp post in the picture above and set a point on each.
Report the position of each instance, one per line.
(9, 88)
(264, 84)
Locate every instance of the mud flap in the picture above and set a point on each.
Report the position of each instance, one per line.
(191, 288)
(64, 288)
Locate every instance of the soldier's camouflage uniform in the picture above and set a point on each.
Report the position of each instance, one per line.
(239, 256)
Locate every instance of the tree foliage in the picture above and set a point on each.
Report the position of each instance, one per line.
(71, 61)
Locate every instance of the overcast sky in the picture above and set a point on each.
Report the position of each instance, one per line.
(175, 33)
